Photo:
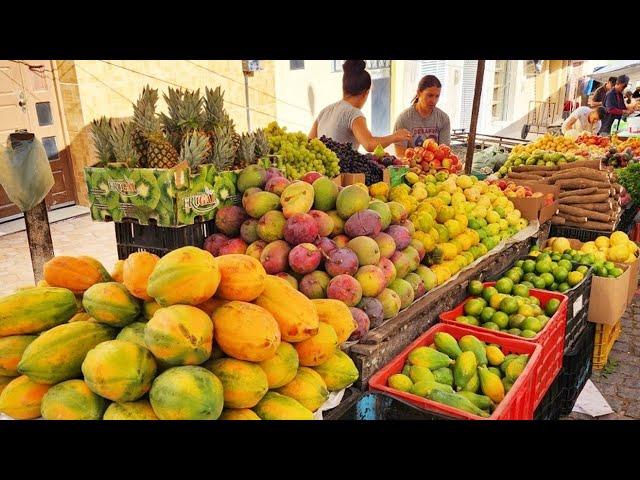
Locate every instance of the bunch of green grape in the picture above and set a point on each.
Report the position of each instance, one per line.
(298, 155)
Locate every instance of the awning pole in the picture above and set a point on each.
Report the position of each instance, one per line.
(475, 109)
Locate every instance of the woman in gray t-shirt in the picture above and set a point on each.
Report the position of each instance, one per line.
(343, 121)
(423, 119)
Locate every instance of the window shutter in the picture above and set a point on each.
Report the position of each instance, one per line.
(468, 87)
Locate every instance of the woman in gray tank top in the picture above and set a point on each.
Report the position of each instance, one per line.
(344, 122)
(423, 119)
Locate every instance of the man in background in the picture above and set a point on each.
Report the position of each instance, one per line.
(615, 105)
(601, 91)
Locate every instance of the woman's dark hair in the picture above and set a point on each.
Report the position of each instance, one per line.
(355, 79)
(601, 112)
(426, 82)
(612, 80)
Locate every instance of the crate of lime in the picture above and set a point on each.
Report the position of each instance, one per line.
(385, 341)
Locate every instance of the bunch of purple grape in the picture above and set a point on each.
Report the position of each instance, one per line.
(351, 161)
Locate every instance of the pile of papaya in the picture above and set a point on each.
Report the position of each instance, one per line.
(466, 374)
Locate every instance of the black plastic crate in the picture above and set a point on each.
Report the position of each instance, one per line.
(133, 237)
(577, 366)
(581, 234)
(626, 219)
(378, 406)
(549, 406)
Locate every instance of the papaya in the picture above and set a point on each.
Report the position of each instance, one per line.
(149, 309)
(490, 384)
(456, 401)
(429, 357)
(57, 354)
(495, 357)
(134, 332)
(106, 276)
(275, 406)
(481, 401)
(516, 367)
(507, 360)
(469, 343)
(116, 273)
(400, 382)
(111, 303)
(422, 389)
(507, 384)
(82, 316)
(443, 375)
(243, 383)
(139, 410)
(418, 373)
(317, 349)
(496, 371)
(210, 306)
(406, 370)
(11, 350)
(136, 271)
(242, 277)
(308, 388)
(338, 372)
(72, 400)
(35, 310)
(187, 393)
(472, 385)
(446, 344)
(4, 381)
(336, 314)
(246, 331)
(239, 414)
(282, 367)
(296, 314)
(72, 273)
(22, 397)
(187, 275)
(119, 371)
(464, 369)
(179, 335)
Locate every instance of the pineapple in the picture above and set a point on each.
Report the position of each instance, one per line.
(213, 110)
(190, 116)
(101, 131)
(170, 122)
(122, 144)
(160, 152)
(262, 144)
(144, 108)
(245, 155)
(222, 153)
(195, 148)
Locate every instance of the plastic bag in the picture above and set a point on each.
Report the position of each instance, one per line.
(25, 173)
(485, 161)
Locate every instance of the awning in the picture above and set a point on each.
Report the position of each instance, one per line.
(627, 67)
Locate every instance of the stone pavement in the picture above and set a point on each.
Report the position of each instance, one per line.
(75, 236)
(620, 383)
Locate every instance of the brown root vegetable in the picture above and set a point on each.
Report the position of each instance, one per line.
(534, 168)
(582, 173)
(578, 183)
(557, 220)
(594, 164)
(581, 191)
(585, 198)
(586, 212)
(607, 227)
(572, 218)
(524, 176)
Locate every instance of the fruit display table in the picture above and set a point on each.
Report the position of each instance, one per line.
(381, 344)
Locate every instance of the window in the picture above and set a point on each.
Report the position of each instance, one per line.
(50, 147)
(296, 64)
(336, 65)
(43, 111)
(500, 90)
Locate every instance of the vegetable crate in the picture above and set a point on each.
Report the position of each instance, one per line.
(518, 403)
(550, 338)
(377, 406)
(605, 337)
(577, 366)
(581, 234)
(549, 407)
(133, 237)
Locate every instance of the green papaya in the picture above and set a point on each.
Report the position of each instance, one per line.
(507, 384)
(481, 401)
(464, 369)
(456, 401)
(507, 360)
(491, 384)
(418, 373)
(406, 369)
(400, 382)
(445, 343)
(497, 371)
(443, 375)
(423, 388)
(515, 368)
(469, 343)
(430, 358)
(473, 385)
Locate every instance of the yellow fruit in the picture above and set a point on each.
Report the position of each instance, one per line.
(589, 247)
(602, 242)
(561, 244)
(449, 251)
(617, 253)
(492, 216)
(618, 238)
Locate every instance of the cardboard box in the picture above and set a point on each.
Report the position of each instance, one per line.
(346, 179)
(533, 208)
(178, 196)
(633, 280)
(608, 299)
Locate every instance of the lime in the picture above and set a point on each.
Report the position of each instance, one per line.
(543, 267)
(583, 269)
(528, 334)
(501, 319)
(487, 313)
(514, 274)
(516, 320)
(600, 271)
(567, 257)
(559, 274)
(535, 301)
(574, 278)
(609, 265)
(504, 285)
(552, 306)
(535, 248)
(526, 311)
(514, 331)
(563, 287)
(548, 279)
(543, 257)
(615, 272)
(521, 290)
(554, 287)
(527, 284)
(528, 266)
(566, 264)
(539, 283)
(508, 305)
(528, 277)
(519, 263)
(475, 288)
(474, 307)
(488, 292)
(556, 257)
(495, 300)
(462, 319)
(491, 326)
(577, 258)
(532, 323)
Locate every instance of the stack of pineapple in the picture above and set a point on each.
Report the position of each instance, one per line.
(196, 130)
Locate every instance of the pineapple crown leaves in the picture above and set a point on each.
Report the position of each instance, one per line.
(173, 100)
(222, 151)
(121, 140)
(246, 149)
(190, 111)
(262, 144)
(101, 131)
(195, 148)
(144, 112)
(214, 112)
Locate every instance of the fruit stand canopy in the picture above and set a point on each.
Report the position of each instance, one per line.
(627, 67)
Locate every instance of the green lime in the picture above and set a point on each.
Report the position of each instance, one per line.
(488, 292)
(514, 331)
(528, 334)
(548, 279)
(566, 264)
(567, 257)
(514, 274)
(528, 277)
(475, 288)
(487, 313)
(501, 319)
(528, 266)
(527, 284)
(519, 263)
(563, 287)
(556, 257)
(559, 274)
(609, 265)
(521, 290)
(535, 301)
(600, 271)
(516, 320)
(615, 272)
(552, 306)
(574, 278)
(543, 267)
(508, 305)
(491, 326)
(554, 287)
(474, 306)
(504, 285)
(539, 283)
(543, 257)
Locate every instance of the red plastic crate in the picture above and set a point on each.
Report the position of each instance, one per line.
(550, 338)
(518, 403)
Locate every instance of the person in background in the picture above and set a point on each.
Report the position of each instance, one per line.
(343, 121)
(601, 91)
(583, 120)
(636, 92)
(615, 106)
(423, 119)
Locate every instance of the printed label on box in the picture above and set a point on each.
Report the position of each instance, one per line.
(577, 306)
